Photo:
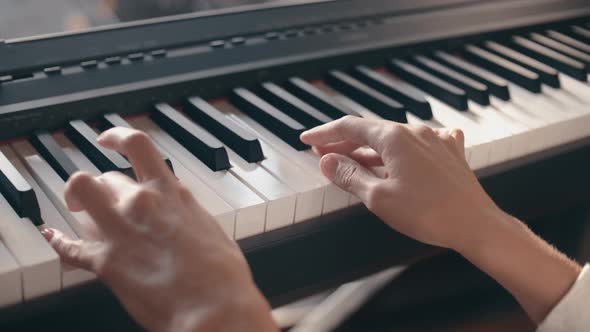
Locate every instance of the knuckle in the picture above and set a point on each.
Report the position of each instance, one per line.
(78, 182)
(375, 194)
(424, 131)
(144, 198)
(136, 139)
(185, 194)
(394, 132)
(347, 174)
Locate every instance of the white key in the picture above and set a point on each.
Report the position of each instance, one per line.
(10, 278)
(280, 199)
(77, 156)
(53, 219)
(53, 186)
(40, 267)
(334, 199)
(309, 189)
(250, 208)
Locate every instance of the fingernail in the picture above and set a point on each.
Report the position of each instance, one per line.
(329, 165)
(47, 233)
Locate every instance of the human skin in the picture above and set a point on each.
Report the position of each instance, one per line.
(173, 268)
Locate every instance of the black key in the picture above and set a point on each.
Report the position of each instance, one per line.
(507, 69)
(563, 63)
(361, 93)
(243, 142)
(193, 137)
(444, 91)
(317, 98)
(496, 85)
(115, 120)
(563, 49)
(54, 154)
(18, 192)
(548, 75)
(572, 42)
(475, 91)
(267, 115)
(84, 137)
(410, 97)
(294, 107)
(582, 33)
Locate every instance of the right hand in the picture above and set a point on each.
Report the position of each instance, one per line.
(424, 189)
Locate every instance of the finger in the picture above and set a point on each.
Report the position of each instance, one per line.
(75, 253)
(460, 140)
(366, 157)
(138, 148)
(85, 193)
(344, 147)
(117, 184)
(449, 141)
(348, 175)
(349, 128)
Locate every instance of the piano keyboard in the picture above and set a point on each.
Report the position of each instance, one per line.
(242, 159)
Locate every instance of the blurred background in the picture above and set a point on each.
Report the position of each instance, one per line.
(24, 18)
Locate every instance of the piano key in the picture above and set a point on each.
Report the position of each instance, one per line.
(582, 33)
(361, 93)
(406, 94)
(192, 136)
(280, 199)
(476, 91)
(267, 115)
(40, 266)
(69, 276)
(562, 48)
(53, 154)
(115, 120)
(507, 69)
(446, 92)
(75, 155)
(207, 198)
(241, 141)
(572, 42)
(18, 192)
(293, 106)
(10, 278)
(53, 186)
(316, 98)
(84, 137)
(334, 199)
(564, 64)
(250, 208)
(547, 74)
(497, 86)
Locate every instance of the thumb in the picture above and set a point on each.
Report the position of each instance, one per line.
(75, 253)
(348, 174)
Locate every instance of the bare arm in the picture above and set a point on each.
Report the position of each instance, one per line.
(429, 193)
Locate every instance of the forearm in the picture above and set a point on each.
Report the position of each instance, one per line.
(535, 273)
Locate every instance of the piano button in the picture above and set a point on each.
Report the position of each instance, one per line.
(509, 70)
(159, 53)
(446, 92)
(56, 70)
(548, 75)
(562, 48)
(280, 199)
(476, 91)
(572, 42)
(268, 116)
(40, 265)
(217, 44)
(53, 219)
(412, 98)
(10, 278)
(496, 85)
(53, 154)
(564, 64)
(84, 137)
(18, 192)
(136, 56)
(376, 101)
(272, 35)
(293, 106)
(250, 208)
(192, 136)
(90, 64)
(317, 98)
(114, 60)
(241, 141)
(334, 199)
(115, 120)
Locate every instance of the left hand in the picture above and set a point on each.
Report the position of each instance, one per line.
(161, 253)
